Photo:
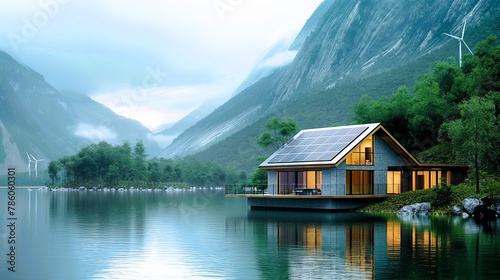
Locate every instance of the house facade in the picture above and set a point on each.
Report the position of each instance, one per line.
(346, 165)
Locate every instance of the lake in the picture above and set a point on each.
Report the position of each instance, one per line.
(201, 234)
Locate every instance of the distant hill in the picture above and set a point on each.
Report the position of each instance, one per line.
(351, 48)
(37, 119)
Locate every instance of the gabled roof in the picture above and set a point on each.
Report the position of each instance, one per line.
(328, 147)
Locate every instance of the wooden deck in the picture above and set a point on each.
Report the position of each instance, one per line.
(271, 196)
(310, 202)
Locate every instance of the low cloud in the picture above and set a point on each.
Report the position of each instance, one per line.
(94, 132)
(279, 59)
(163, 140)
(156, 106)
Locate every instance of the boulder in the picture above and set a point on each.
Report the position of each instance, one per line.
(496, 206)
(471, 203)
(421, 209)
(456, 210)
(483, 212)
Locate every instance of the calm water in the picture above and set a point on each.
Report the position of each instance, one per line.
(203, 235)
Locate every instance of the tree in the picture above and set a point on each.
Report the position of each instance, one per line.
(392, 112)
(473, 134)
(139, 161)
(259, 178)
(154, 171)
(485, 72)
(53, 170)
(278, 132)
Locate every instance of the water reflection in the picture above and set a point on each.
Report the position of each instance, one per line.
(352, 245)
(199, 235)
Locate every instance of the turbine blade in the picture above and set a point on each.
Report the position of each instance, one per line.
(463, 29)
(467, 47)
(452, 36)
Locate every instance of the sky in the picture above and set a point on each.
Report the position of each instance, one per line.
(151, 60)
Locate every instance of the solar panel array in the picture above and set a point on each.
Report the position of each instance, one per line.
(317, 145)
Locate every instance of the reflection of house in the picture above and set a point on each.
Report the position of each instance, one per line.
(345, 168)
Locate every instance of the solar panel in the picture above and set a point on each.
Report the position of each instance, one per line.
(317, 145)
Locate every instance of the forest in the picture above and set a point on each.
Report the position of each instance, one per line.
(103, 164)
(452, 114)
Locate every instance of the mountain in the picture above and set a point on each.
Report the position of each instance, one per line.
(166, 135)
(343, 42)
(37, 119)
(348, 48)
(279, 55)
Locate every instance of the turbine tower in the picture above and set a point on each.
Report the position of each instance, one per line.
(36, 165)
(29, 164)
(460, 41)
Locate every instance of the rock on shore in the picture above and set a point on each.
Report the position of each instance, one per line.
(417, 209)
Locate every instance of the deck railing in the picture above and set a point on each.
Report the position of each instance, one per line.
(246, 189)
(255, 189)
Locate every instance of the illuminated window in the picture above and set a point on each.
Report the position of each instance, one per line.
(290, 181)
(393, 181)
(359, 182)
(362, 154)
(425, 179)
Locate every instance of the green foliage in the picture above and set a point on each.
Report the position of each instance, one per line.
(392, 112)
(53, 171)
(394, 203)
(440, 195)
(490, 185)
(259, 177)
(278, 132)
(104, 164)
(439, 154)
(452, 107)
(475, 134)
(442, 198)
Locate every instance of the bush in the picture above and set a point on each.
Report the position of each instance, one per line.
(441, 195)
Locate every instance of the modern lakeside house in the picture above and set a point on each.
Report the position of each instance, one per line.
(345, 168)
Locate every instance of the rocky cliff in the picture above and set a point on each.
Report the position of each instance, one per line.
(348, 40)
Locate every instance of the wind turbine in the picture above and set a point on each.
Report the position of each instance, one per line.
(36, 164)
(460, 41)
(29, 164)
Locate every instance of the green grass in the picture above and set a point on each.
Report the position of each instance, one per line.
(489, 187)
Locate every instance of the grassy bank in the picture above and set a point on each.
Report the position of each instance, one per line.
(442, 198)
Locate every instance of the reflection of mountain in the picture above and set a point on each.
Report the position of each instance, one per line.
(37, 119)
(347, 49)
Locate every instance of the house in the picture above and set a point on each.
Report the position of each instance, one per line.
(344, 168)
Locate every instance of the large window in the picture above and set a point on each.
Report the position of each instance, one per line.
(393, 181)
(362, 154)
(425, 179)
(359, 182)
(291, 181)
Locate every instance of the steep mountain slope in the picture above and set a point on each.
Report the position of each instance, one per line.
(165, 136)
(37, 119)
(352, 40)
(334, 106)
(281, 54)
